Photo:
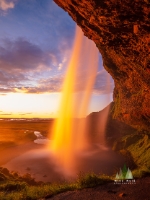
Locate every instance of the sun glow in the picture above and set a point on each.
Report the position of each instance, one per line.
(20, 105)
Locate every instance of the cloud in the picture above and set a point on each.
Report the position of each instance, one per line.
(6, 114)
(25, 113)
(5, 5)
(22, 55)
(25, 67)
(3, 95)
(52, 84)
(6, 90)
(104, 83)
(10, 78)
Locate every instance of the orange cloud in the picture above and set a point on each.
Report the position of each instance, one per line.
(5, 5)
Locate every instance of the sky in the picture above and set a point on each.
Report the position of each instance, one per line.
(36, 41)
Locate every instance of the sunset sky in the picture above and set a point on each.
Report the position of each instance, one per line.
(36, 39)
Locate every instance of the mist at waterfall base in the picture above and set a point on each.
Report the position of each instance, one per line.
(73, 147)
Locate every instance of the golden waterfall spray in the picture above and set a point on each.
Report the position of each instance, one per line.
(69, 134)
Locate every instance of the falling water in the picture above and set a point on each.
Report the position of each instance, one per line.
(69, 133)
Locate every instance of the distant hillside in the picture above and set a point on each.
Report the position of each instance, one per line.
(102, 125)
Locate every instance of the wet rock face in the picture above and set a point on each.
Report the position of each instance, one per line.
(119, 29)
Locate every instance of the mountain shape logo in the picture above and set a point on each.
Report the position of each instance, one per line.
(124, 174)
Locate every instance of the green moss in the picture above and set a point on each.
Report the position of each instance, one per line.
(138, 146)
(91, 180)
(12, 186)
(141, 151)
(140, 172)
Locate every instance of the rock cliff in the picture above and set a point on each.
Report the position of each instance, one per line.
(119, 29)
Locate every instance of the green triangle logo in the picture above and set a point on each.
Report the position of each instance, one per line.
(129, 174)
(117, 176)
(124, 174)
(121, 174)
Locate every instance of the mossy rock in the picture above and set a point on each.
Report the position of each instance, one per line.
(138, 147)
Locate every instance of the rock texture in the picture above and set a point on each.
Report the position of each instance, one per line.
(119, 29)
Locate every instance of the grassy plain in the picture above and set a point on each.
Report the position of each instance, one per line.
(19, 132)
(14, 133)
